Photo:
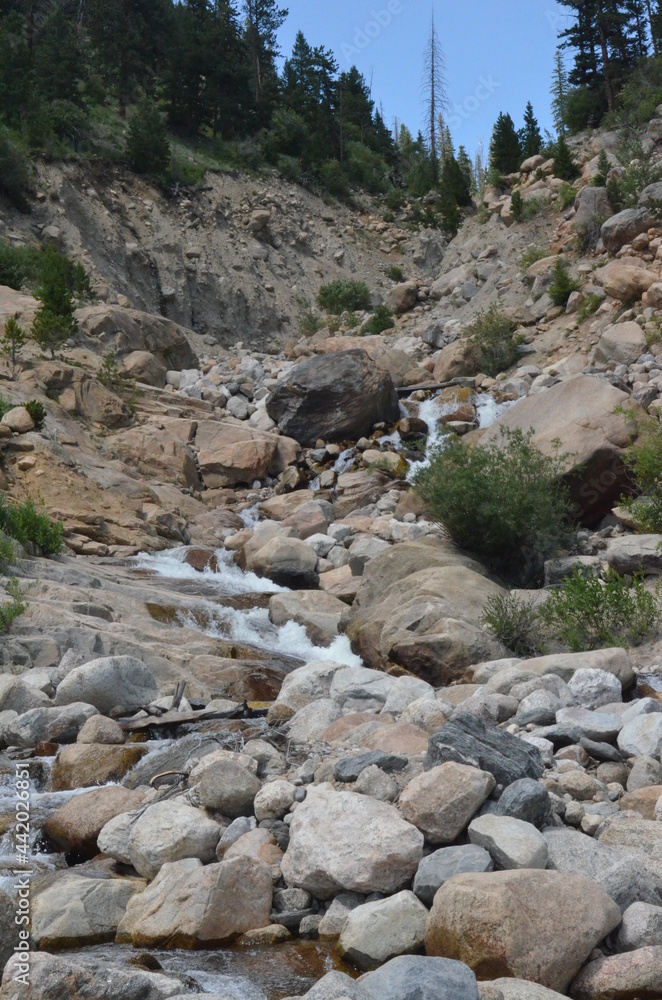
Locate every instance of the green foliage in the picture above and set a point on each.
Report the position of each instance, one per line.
(110, 375)
(514, 622)
(517, 206)
(395, 273)
(532, 256)
(366, 168)
(7, 553)
(589, 613)
(11, 611)
(54, 322)
(310, 322)
(344, 296)
(640, 170)
(563, 284)
(567, 196)
(13, 340)
(395, 199)
(585, 107)
(589, 306)
(147, 146)
(29, 526)
(380, 321)
(504, 501)
(644, 458)
(495, 342)
(505, 151)
(18, 265)
(334, 179)
(37, 411)
(5, 405)
(534, 206)
(15, 172)
(51, 331)
(604, 168)
(530, 137)
(564, 165)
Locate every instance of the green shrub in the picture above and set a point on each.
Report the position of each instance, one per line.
(5, 405)
(589, 613)
(567, 196)
(366, 168)
(534, 206)
(30, 526)
(380, 321)
(604, 168)
(184, 171)
(18, 265)
(504, 501)
(37, 411)
(51, 331)
(147, 146)
(644, 458)
(15, 172)
(395, 273)
(589, 306)
(641, 169)
(54, 322)
(310, 322)
(10, 612)
(514, 622)
(7, 554)
(532, 256)
(495, 342)
(344, 296)
(333, 179)
(13, 340)
(395, 199)
(563, 284)
(517, 206)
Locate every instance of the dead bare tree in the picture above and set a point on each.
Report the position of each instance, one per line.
(433, 88)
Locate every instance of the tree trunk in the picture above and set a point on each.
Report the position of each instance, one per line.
(656, 49)
(606, 70)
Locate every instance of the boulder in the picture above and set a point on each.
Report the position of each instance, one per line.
(97, 403)
(86, 764)
(229, 787)
(517, 989)
(122, 331)
(338, 986)
(535, 925)
(383, 929)
(592, 209)
(623, 227)
(625, 282)
(635, 974)
(100, 729)
(171, 831)
(403, 297)
(417, 977)
(109, 682)
(144, 367)
(18, 420)
(76, 911)
(593, 688)
(46, 725)
(230, 454)
(641, 736)
(162, 449)
(17, 695)
(526, 799)
(580, 413)
(456, 360)
(440, 866)
(335, 397)
(343, 841)
(441, 802)
(189, 905)
(612, 868)
(289, 562)
(319, 613)
(641, 927)
(623, 343)
(511, 843)
(55, 976)
(468, 740)
(75, 826)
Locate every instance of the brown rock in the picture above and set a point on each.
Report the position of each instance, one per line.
(625, 282)
(125, 330)
(145, 368)
(643, 801)
(100, 729)
(74, 827)
(18, 420)
(399, 738)
(161, 449)
(529, 924)
(201, 559)
(260, 845)
(455, 360)
(85, 764)
(442, 802)
(636, 975)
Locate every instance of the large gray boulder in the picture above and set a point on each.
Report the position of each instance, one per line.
(469, 740)
(592, 209)
(54, 976)
(169, 831)
(623, 227)
(76, 911)
(109, 682)
(335, 397)
(45, 725)
(340, 840)
(416, 977)
(383, 929)
(444, 864)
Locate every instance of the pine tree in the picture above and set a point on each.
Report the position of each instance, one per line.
(445, 146)
(564, 165)
(263, 19)
(148, 147)
(455, 183)
(530, 136)
(480, 171)
(464, 163)
(505, 152)
(13, 340)
(54, 321)
(559, 92)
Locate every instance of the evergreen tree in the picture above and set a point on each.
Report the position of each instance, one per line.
(54, 321)
(309, 89)
(464, 163)
(455, 183)
(480, 171)
(530, 137)
(505, 152)
(564, 165)
(13, 340)
(148, 147)
(263, 19)
(444, 140)
(559, 91)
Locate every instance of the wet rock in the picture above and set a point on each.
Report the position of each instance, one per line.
(319, 613)
(378, 931)
(468, 740)
(109, 682)
(483, 920)
(442, 802)
(335, 397)
(46, 725)
(437, 868)
(77, 911)
(99, 729)
(75, 826)
(54, 976)
(86, 764)
(189, 905)
(342, 841)
(171, 831)
(288, 562)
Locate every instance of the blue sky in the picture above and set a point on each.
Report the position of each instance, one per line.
(499, 55)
